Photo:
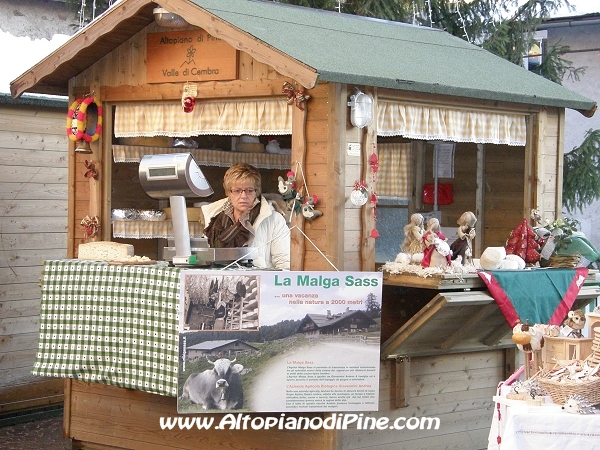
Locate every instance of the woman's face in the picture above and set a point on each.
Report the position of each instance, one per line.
(241, 195)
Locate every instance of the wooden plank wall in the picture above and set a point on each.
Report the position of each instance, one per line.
(457, 389)
(504, 187)
(548, 163)
(33, 227)
(111, 417)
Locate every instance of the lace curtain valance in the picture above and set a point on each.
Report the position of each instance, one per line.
(226, 118)
(450, 124)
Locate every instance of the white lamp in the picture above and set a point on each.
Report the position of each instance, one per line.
(167, 19)
(361, 109)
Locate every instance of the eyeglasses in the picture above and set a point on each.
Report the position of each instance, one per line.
(248, 192)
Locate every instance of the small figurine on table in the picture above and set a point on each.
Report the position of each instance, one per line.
(463, 246)
(413, 235)
(437, 251)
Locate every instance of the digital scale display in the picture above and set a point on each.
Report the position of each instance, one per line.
(162, 173)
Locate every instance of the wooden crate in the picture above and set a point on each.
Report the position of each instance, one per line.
(564, 348)
(592, 321)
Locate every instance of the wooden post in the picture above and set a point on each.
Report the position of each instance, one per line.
(402, 369)
(297, 241)
(369, 147)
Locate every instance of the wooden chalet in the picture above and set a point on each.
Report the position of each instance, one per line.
(219, 348)
(341, 323)
(442, 353)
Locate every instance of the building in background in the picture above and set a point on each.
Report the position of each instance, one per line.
(33, 197)
(582, 35)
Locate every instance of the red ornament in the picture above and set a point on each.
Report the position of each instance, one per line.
(374, 162)
(188, 104)
(374, 198)
(374, 233)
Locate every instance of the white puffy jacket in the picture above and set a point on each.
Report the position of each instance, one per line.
(271, 235)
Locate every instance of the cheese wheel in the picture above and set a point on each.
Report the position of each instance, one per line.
(105, 251)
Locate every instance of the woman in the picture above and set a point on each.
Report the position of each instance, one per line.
(245, 218)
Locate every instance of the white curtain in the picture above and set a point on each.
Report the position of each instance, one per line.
(450, 124)
(228, 118)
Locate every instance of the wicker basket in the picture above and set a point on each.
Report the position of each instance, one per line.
(560, 391)
(588, 389)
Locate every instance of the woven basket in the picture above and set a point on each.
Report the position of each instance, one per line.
(588, 389)
(564, 261)
(560, 391)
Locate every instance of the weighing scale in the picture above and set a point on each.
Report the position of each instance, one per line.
(176, 176)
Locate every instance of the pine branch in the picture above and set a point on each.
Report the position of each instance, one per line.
(581, 174)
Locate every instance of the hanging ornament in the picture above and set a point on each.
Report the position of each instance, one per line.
(84, 120)
(374, 198)
(374, 233)
(297, 96)
(308, 208)
(188, 97)
(374, 162)
(359, 194)
(91, 225)
(91, 170)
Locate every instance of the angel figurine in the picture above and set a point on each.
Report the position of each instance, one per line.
(463, 246)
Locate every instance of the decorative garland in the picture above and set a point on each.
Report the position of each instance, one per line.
(77, 118)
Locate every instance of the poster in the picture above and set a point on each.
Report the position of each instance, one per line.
(265, 341)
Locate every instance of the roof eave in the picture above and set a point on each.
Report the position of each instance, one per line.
(585, 108)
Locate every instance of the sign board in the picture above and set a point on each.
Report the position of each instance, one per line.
(279, 341)
(190, 55)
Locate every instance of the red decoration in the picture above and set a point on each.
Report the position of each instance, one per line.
(374, 162)
(297, 96)
(91, 225)
(188, 104)
(91, 170)
(374, 233)
(522, 242)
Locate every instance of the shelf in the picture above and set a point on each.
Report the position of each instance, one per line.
(140, 229)
(204, 157)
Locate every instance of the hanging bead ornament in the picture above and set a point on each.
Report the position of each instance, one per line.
(188, 97)
(359, 194)
(374, 163)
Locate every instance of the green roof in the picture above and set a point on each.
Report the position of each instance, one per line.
(351, 49)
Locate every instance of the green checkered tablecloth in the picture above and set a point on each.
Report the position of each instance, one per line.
(111, 324)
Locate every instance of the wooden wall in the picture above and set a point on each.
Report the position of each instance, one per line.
(456, 388)
(33, 227)
(100, 416)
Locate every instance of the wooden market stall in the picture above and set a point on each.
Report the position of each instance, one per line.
(304, 66)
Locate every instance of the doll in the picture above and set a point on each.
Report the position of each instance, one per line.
(413, 235)
(437, 251)
(463, 246)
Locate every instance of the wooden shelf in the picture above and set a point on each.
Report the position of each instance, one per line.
(204, 157)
